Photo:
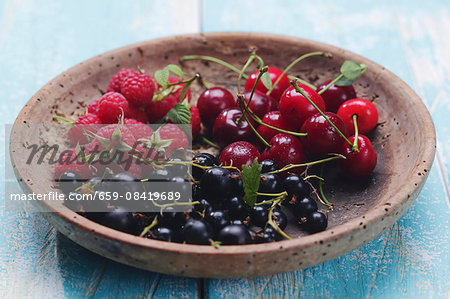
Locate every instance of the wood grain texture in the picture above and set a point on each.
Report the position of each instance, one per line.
(407, 37)
(39, 39)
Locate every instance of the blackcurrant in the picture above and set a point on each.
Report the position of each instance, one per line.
(120, 219)
(164, 234)
(268, 166)
(316, 222)
(202, 159)
(304, 206)
(234, 235)
(216, 183)
(236, 208)
(258, 216)
(217, 220)
(280, 218)
(197, 232)
(294, 185)
(270, 183)
(69, 181)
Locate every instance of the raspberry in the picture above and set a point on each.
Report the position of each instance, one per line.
(134, 112)
(139, 129)
(172, 131)
(93, 107)
(111, 107)
(158, 109)
(126, 135)
(117, 79)
(138, 89)
(195, 121)
(68, 162)
(85, 123)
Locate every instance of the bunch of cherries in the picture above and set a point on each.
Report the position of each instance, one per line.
(275, 125)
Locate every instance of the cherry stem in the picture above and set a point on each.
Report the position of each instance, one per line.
(247, 106)
(242, 103)
(209, 142)
(203, 82)
(355, 142)
(331, 83)
(292, 64)
(244, 68)
(149, 227)
(322, 197)
(298, 89)
(215, 60)
(290, 166)
(302, 81)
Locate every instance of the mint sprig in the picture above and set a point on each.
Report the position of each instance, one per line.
(251, 177)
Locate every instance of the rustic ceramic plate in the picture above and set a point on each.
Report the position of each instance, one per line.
(405, 143)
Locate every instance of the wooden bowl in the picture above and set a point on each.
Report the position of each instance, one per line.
(405, 144)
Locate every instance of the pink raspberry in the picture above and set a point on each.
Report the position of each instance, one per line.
(85, 123)
(139, 129)
(138, 89)
(117, 79)
(93, 107)
(111, 107)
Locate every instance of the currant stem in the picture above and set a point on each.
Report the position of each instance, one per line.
(149, 227)
(290, 166)
(331, 83)
(215, 60)
(355, 142)
(272, 223)
(298, 89)
(209, 142)
(242, 103)
(284, 193)
(292, 64)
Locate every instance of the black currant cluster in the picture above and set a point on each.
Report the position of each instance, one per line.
(219, 213)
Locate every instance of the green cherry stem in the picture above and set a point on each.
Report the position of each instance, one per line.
(293, 63)
(247, 107)
(331, 83)
(290, 166)
(242, 103)
(298, 89)
(322, 197)
(209, 142)
(355, 142)
(244, 68)
(215, 60)
(302, 81)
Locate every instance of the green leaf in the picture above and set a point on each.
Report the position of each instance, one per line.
(344, 82)
(251, 176)
(176, 70)
(352, 70)
(162, 77)
(265, 79)
(180, 114)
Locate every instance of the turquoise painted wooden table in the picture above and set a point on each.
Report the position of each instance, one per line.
(39, 39)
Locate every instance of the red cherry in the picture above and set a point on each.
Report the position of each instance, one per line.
(322, 138)
(365, 110)
(274, 75)
(286, 149)
(336, 95)
(213, 101)
(274, 119)
(358, 164)
(226, 129)
(260, 103)
(295, 108)
(239, 153)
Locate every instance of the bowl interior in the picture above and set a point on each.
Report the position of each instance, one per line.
(396, 139)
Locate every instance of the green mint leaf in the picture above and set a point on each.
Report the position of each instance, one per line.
(352, 70)
(162, 77)
(176, 70)
(251, 176)
(265, 79)
(179, 114)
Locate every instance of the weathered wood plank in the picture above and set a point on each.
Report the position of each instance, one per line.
(38, 40)
(410, 259)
